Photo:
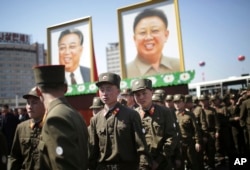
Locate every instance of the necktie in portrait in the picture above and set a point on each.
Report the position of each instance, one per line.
(72, 77)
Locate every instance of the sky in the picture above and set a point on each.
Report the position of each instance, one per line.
(213, 31)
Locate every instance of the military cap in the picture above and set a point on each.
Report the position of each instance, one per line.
(110, 78)
(169, 97)
(159, 91)
(126, 91)
(157, 97)
(49, 74)
(178, 97)
(97, 103)
(32, 93)
(203, 97)
(188, 98)
(141, 84)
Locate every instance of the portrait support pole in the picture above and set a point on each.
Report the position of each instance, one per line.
(17, 104)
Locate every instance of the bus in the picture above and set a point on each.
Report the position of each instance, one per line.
(221, 87)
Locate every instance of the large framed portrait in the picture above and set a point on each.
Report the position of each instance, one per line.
(71, 44)
(150, 39)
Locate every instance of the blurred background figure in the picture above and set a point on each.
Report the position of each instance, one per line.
(97, 105)
(127, 95)
(3, 152)
(22, 114)
(9, 124)
(158, 99)
(169, 102)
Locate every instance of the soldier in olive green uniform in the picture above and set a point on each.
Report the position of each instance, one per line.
(127, 95)
(64, 138)
(158, 123)
(245, 118)
(161, 92)
(97, 105)
(201, 119)
(237, 131)
(116, 138)
(169, 102)
(224, 141)
(190, 133)
(3, 151)
(177, 156)
(192, 105)
(158, 99)
(24, 152)
(211, 132)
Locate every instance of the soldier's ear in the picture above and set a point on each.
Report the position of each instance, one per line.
(38, 91)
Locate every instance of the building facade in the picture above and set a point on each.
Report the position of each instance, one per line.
(113, 58)
(17, 57)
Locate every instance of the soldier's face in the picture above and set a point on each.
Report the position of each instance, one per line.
(108, 93)
(95, 111)
(129, 99)
(143, 98)
(70, 51)
(35, 108)
(169, 104)
(179, 105)
(149, 37)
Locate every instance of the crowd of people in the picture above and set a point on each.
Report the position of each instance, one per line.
(134, 128)
(213, 128)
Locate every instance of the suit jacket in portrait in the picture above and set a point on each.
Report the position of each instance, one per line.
(85, 71)
(138, 68)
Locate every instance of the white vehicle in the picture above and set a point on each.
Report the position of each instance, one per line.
(219, 86)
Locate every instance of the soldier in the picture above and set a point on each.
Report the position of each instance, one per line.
(64, 138)
(128, 96)
(237, 131)
(116, 138)
(158, 123)
(169, 102)
(97, 105)
(190, 133)
(177, 156)
(158, 99)
(190, 106)
(3, 152)
(224, 142)
(200, 116)
(24, 152)
(161, 92)
(211, 132)
(122, 100)
(245, 118)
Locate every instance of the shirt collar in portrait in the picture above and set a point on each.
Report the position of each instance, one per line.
(78, 76)
(145, 67)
